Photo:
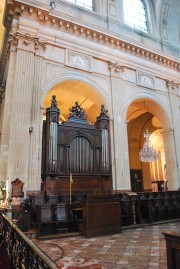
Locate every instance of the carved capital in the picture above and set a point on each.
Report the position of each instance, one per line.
(26, 41)
(116, 67)
(172, 85)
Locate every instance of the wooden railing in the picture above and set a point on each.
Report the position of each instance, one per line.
(22, 252)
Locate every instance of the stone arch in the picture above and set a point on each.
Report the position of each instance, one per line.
(58, 79)
(149, 106)
(159, 109)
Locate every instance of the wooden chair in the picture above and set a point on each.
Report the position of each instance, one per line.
(45, 217)
(53, 199)
(63, 218)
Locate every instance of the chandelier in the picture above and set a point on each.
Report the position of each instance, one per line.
(147, 153)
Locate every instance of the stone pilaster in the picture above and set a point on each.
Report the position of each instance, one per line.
(121, 177)
(171, 163)
(6, 118)
(175, 110)
(19, 138)
(35, 136)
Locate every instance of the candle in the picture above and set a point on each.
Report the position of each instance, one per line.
(70, 186)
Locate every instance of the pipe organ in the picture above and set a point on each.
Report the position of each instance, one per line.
(78, 148)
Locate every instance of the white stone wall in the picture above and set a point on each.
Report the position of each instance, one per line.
(46, 57)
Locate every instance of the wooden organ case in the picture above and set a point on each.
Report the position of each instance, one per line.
(78, 148)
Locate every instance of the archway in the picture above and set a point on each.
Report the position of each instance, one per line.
(75, 139)
(146, 114)
(69, 91)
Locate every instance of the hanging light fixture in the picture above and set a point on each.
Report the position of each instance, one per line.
(147, 153)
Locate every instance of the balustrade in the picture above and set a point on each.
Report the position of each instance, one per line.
(22, 252)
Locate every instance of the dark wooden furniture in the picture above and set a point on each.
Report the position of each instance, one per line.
(136, 180)
(39, 199)
(157, 206)
(77, 215)
(75, 147)
(45, 218)
(172, 249)
(101, 215)
(53, 199)
(63, 217)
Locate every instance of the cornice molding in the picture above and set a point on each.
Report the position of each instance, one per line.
(50, 18)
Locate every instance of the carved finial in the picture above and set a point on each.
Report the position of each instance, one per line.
(53, 101)
(103, 111)
(77, 112)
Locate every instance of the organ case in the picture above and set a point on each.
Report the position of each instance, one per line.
(75, 147)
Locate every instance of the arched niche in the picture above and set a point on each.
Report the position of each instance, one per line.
(147, 114)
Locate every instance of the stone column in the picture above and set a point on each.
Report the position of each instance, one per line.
(35, 137)
(19, 139)
(171, 164)
(120, 160)
(173, 89)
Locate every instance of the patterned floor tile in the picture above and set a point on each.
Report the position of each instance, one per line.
(141, 248)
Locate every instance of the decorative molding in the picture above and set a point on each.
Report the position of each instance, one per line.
(25, 40)
(78, 60)
(172, 85)
(115, 67)
(52, 20)
(145, 80)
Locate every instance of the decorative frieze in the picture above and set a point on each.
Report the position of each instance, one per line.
(78, 60)
(145, 80)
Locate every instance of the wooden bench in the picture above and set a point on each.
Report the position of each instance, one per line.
(172, 249)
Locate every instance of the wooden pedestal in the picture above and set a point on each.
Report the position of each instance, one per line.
(101, 215)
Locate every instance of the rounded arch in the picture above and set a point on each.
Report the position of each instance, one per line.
(58, 79)
(85, 136)
(147, 112)
(73, 87)
(148, 102)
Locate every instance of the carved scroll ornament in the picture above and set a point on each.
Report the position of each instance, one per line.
(27, 40)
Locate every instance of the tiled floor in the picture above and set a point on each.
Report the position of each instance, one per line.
(137, 248)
